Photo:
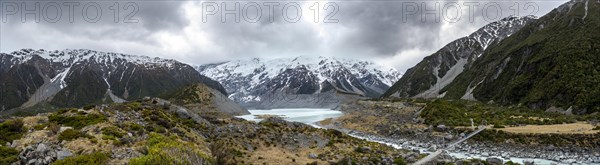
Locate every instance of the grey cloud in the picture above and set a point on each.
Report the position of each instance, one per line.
(366, 29)
(158, 15)
(381, 27)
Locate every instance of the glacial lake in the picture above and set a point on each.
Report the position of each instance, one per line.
(303, 115)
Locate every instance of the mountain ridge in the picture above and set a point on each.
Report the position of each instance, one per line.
(435, 71)
(76, 77)
(549, 64)
(250, 79)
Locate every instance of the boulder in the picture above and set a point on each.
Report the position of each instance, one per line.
(63, 154)
(441, 128)
(449, 137)
(312, 156)
(41, 148)
(64, 129)
(494, 161)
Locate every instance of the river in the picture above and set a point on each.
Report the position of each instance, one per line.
(311, 116)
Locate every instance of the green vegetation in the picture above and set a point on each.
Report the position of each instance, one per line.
(11, 130)
(112, 131)
(77, 121)
(190, 94)
(459, 113)
(97, 158)
(134, 105)
(361, 150)
(132, 126)
(596, 128)
(167, 150)
(8, 155)
(400, 161)
(88, 107)
(40, 126)
(511, 163)
(499, 136)
(71, 134)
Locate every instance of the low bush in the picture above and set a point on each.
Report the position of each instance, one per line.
(400, 161)
(77, 121)
(88, 107)
(40, 126)
(134, 105)
(460, 113)
(52, 126)
(132, 126)
(165, 150)
(11, 130)
(8, 155)
(71, 134)
(112, 131)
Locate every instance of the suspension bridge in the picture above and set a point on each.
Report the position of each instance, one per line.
(435, 154)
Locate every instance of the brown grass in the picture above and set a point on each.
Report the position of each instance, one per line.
(573, 128)
(276, 155)
(326, 122)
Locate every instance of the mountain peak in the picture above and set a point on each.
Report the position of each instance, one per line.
(436, 71)
(248, 79)
(88, 76)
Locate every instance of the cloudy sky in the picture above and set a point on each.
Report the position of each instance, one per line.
(396, 33)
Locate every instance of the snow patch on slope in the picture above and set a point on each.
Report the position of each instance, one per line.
(586, 10)
(442, 82)
(59, 79)
(469, 94)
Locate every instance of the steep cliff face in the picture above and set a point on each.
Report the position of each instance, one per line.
(73, 78)
(436, 71)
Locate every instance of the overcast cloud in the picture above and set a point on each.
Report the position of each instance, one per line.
(392, 33)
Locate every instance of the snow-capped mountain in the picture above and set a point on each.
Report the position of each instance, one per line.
(249, 80)
(551, 64)
(436, 71)
(79, 77)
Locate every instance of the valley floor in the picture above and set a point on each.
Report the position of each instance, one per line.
(404, 124)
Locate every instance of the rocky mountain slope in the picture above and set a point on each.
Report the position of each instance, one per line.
(256, 79)
(151, 131)
(74, 78)
(551, 63)
(436, 71)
